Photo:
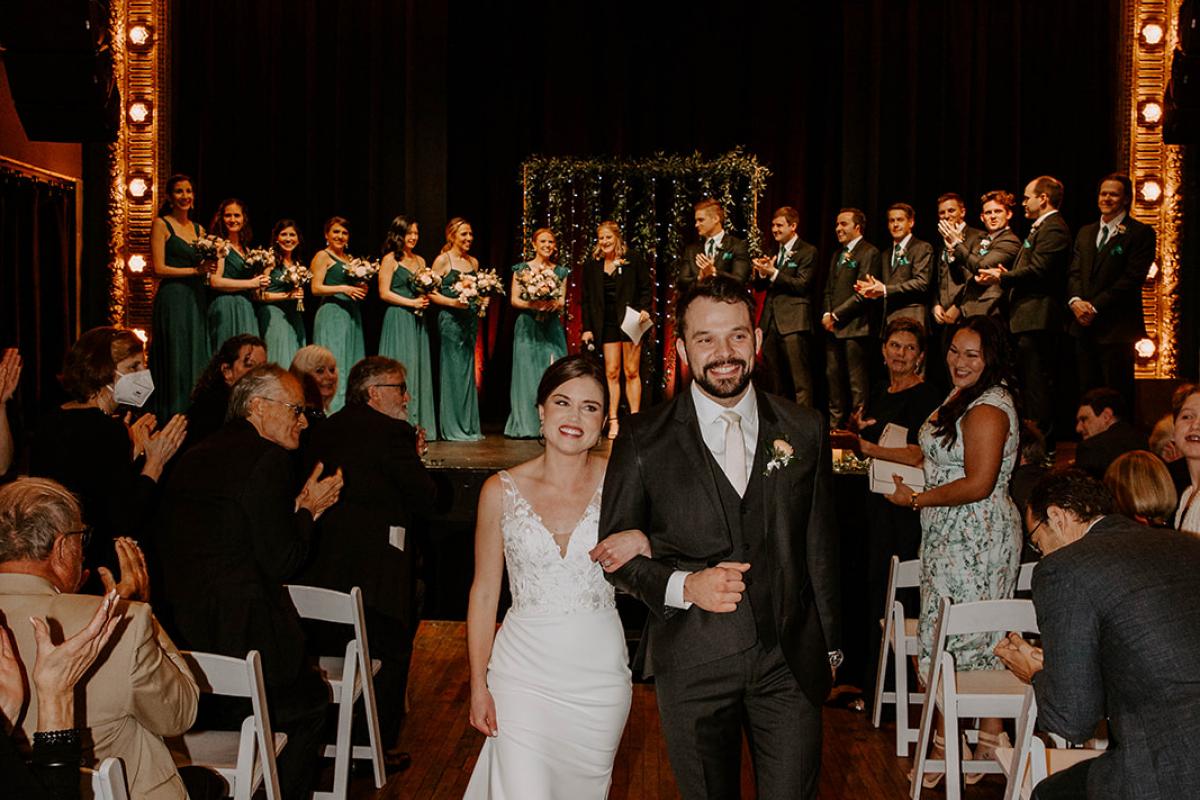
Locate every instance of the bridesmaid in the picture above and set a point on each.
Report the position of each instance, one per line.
(404, 337)
(279, 320)
(231, 312)
(178, 339)
(538, 340)
(458, 326)
(338, 325)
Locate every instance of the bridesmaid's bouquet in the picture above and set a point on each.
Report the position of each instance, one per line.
(538, 283)
(423, 282)
(260, 260)
(209, 249)
(297, 276)
(476, 288)
(360, 270)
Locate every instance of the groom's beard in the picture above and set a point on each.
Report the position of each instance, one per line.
(724, 387)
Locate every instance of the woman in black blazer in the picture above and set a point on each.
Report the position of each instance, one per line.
(613, 279)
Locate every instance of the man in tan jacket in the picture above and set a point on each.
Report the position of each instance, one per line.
(140, 689)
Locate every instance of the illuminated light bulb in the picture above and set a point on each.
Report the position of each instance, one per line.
(139, 112)
(1152, 112)
(141, 334)
(138, 187)
(137, 263)
(1144, 348)
(139, 35)
(1153, 273)
(1151, 191)
(1153, 33)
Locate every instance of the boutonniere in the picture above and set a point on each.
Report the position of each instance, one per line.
(902, 261)
(850, 263)
(782, 454)
(728, 256)
(1027, 244)
(1118, 250)
(1121, 229)
(984, 246)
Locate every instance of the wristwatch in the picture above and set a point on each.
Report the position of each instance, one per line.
(836, 658)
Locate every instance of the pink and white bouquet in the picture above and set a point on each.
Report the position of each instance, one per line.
(538, 283)
(297, 276)
(476, 288)
(361, 270)
(209, 248)
(423, 282)
(260, 260)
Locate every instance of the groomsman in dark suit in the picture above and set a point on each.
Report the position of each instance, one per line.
(997, 246)
(848, 345)
(951, 276)
(907, 273)
(1104, 285)
(787, 321)
(1035, 285)
(716, 251)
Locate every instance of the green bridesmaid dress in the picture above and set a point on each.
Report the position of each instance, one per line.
(231, 313)
(405, 339)
(538, 341)
(178, 339)
(338, 328)
(280, 323)
(458, 412)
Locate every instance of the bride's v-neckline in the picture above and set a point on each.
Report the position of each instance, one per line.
(562, 551)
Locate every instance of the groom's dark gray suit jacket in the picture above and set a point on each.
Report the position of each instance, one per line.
(662, 480)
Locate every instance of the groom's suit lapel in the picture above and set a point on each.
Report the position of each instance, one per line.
(774, 488)
(695, 453)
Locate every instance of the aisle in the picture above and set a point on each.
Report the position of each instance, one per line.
(858, 760)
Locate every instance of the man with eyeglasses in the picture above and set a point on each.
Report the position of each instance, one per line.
(231, 532)
(1120, 629)
(367, 539)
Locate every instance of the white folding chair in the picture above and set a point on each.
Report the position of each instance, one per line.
(1029, 761)
(349, 677)
(244, 759)
(107, 780)
(899, 641)
(973, 693)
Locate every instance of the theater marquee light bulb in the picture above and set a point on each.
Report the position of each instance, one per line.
(1153, 33)
(139, 112)
(137, 263)
(1153, 273)
(138, 187)
(1152, 112)
(139, 35)
(1151, 191)
(141, 334)
(1144, 348)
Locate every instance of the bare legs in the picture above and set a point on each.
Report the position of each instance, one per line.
(622, 359)
(632, 354)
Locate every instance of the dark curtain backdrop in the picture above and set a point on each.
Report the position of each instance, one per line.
(368, 108)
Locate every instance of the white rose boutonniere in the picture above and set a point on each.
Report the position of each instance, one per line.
(782, 454)
(1121, 230)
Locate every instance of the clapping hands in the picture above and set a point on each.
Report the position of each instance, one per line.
(989, 276)
(134, 582)
(870, 287)
(319, 493)
(706, 266)
(159, 446)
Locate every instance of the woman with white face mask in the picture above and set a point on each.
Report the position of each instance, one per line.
(91, 445)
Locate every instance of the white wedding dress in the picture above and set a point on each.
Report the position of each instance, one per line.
(559, 673)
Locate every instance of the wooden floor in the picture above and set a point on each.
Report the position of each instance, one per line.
(858, 761)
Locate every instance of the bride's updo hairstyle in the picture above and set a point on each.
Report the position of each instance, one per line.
(580, 365)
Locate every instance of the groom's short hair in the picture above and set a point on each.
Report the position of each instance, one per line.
(722, 288)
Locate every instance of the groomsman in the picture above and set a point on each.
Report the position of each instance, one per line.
(951, 275)
(1111, 260)
(907, 273)
(848, 345)
(1035, 285)
(997, 246)
(716, 251)
(787, 320)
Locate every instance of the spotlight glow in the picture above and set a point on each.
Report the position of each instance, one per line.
(141, 334)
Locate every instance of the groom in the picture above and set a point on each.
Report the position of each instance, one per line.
(733, 488)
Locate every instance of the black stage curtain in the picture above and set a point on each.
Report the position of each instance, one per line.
(369, 108)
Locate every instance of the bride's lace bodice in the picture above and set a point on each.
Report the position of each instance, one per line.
(542, 580)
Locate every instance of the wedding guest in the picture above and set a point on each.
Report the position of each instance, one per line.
(1186, 408)
(458, 325)
(903, 287)
(113, 466)
(786, 321)
(1100, 420)
(230, 533)
(338, 324)
(1142, 488)
(179, 330)
(846, 323)
(716, 251)
(280, 322)
(950, 273)
(907, 401)
(10, 378)
(139, 690)
(614, 279)
(210, 399)
(538, 336)
(372, 444)
(230, 311)
(996, 248)
(405, 336)
(317, 370)
(970, 528)
(1162, 444)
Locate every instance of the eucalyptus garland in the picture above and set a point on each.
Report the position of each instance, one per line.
(651, 200)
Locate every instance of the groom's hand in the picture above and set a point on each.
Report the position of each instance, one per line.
(717, 589)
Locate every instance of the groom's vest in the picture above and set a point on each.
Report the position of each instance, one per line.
(746, 519)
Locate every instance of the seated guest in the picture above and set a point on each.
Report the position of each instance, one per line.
(1186, 407)
(139, 690)
(113, 467)
(10, 376)
(317, 370)
(1120, 629)
(1162, 444)
(1142, 488)
(231, 532)
(237, 356)
(1106, 434)
(366, 540)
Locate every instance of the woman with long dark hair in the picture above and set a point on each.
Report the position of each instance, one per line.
(178, 330)
(458, 325)
(404, 336)
(231, 311)
(338, 324)
(280, 322)
(210, 399)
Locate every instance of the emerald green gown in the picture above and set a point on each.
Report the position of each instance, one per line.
(458, 411)
(231, 313)
(178, 338)
(538, 341)
(280, 323)
(338, 328)
(405, 339)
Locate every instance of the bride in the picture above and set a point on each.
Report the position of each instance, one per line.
(551, 690)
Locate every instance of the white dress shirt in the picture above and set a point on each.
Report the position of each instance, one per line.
(716, 240)
(787, 251)
(1112, 226)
